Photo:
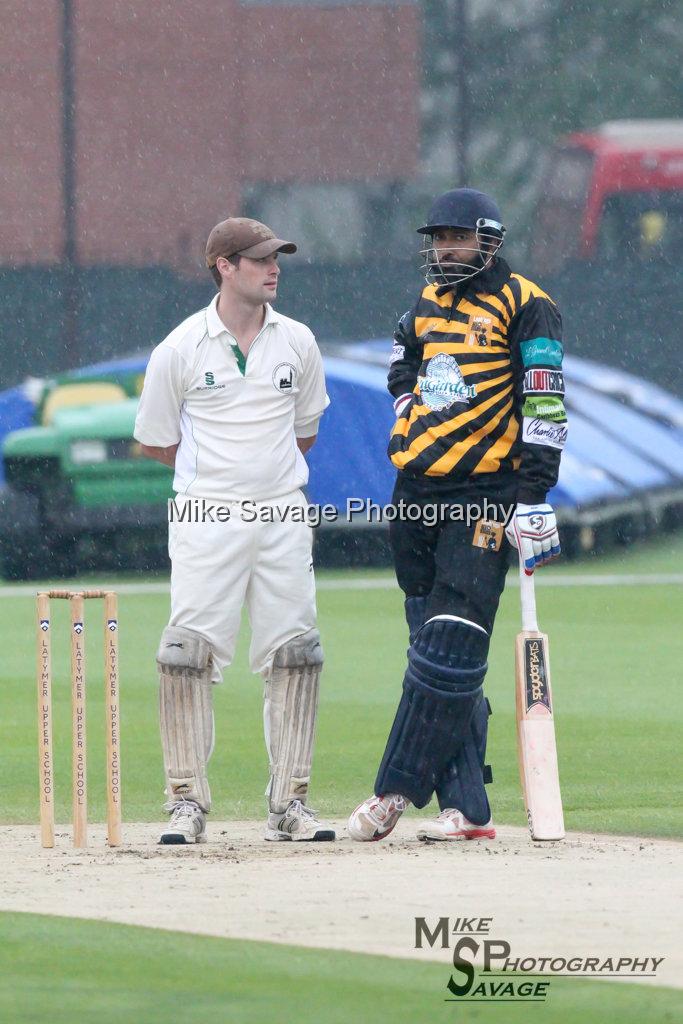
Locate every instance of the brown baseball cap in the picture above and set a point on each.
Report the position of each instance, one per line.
(246, 237)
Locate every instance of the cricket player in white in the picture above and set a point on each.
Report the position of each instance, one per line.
(232, 401)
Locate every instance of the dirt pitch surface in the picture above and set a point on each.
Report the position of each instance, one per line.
(599, 896)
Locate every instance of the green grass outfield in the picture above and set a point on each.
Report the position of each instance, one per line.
(616, 655)
(62, 970)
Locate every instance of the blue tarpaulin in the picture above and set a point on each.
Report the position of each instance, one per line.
(625, 434)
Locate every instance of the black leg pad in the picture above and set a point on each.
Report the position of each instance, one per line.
(463, 782)
(441, 689)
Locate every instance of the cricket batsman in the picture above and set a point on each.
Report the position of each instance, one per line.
(232, 400)
(476, 374)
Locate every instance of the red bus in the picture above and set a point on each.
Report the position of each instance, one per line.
(612, 193)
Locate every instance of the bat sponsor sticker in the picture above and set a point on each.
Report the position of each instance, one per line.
(535, 675)
(488, 534)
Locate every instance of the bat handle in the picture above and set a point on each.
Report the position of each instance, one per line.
(528, 594)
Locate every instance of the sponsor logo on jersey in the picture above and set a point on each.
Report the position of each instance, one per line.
(210, 382)
(541, 352)
(538, 431)
(480, 331)
(443, 384)
(284, 378)
(544, 381)
(544, 408)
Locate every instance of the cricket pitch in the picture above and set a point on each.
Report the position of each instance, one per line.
(590, 895)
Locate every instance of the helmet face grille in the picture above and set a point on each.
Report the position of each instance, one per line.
(436, 270)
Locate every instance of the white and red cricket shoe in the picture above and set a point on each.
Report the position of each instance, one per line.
(452, 824)
(376, 817)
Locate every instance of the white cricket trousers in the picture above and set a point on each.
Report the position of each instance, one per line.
(217, 568)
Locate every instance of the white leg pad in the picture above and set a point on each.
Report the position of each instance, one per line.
(187, 724)
(289, 716)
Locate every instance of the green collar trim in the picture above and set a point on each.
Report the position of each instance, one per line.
(241, 359)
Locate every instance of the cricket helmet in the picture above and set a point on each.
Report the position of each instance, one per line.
(474, 211)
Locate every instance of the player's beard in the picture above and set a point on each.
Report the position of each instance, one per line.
(445, 271)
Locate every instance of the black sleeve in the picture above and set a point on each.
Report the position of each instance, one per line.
(406, 357)
(536, 344)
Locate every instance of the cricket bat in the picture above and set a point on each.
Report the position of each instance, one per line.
(535, 726)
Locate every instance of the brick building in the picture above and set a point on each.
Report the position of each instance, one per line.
(187, 111)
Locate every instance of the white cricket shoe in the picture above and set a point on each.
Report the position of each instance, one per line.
(297, 824)
(187, 825)
(452, 824)
(376, 817)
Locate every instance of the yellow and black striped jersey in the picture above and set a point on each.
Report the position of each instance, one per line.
(483, 366)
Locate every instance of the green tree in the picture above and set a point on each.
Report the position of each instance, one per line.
(537, 69)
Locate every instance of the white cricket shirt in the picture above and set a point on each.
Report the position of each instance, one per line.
(237, 427)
